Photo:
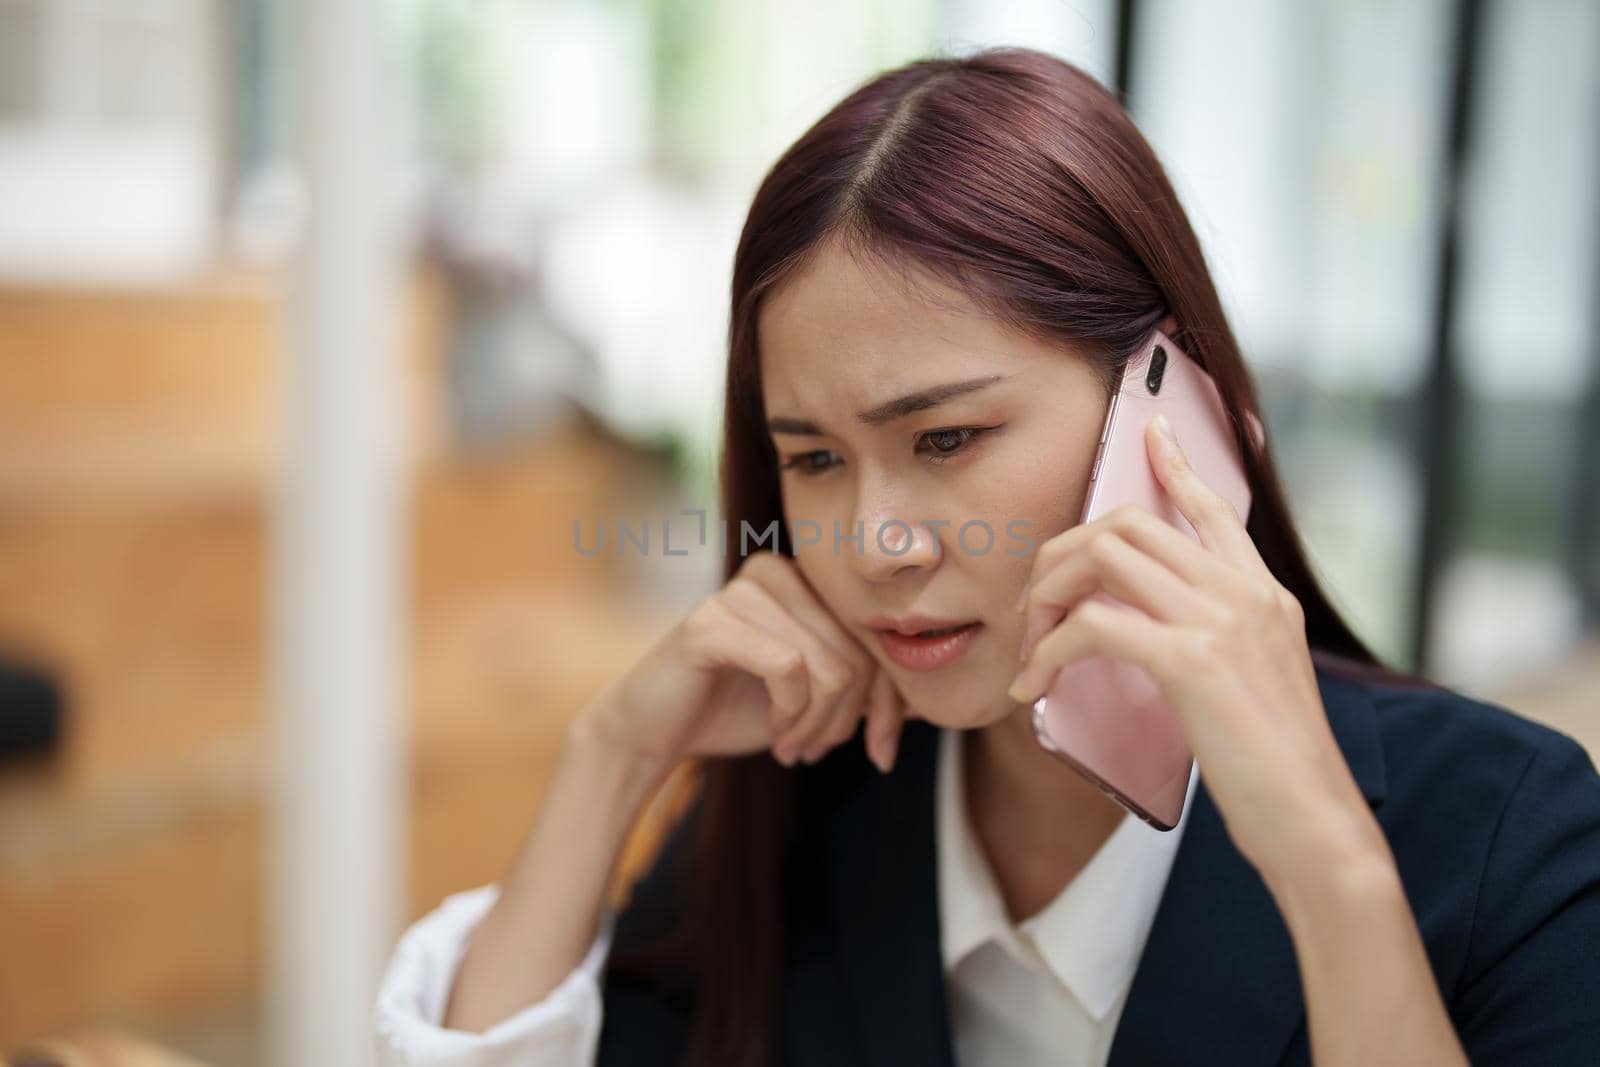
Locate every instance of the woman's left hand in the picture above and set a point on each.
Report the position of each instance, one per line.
(1227, 645)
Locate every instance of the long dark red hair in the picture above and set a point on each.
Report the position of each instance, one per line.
(1020, 180)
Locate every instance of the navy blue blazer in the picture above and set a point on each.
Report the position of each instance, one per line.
(1494, 822)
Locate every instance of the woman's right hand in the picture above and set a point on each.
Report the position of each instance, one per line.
(760, 663)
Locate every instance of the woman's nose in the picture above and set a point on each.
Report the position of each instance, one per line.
(891, 545)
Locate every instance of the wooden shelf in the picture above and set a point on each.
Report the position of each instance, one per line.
(136, 459)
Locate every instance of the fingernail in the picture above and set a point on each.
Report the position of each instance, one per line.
(1015, 690)
(1164, 428)
(888, 759)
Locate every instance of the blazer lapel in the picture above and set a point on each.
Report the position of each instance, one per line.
(1218, 980)
(883, 889)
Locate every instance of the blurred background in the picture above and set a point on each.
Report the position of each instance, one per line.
(321, 323)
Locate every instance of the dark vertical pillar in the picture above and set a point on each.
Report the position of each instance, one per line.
(1440, 402)
(1122, 63)
(1583, 550)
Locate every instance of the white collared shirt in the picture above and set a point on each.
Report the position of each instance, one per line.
(1048, 990)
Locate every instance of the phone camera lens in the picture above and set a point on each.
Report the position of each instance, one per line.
(1158, 367)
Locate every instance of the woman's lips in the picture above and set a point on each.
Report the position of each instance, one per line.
(928, 653)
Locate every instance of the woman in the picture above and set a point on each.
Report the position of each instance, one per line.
(932, 299)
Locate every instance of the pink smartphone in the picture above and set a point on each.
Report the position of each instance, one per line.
(1103, 717)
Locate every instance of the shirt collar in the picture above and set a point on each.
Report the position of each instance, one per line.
(1092, 934)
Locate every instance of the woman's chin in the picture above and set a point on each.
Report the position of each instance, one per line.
(949, 710)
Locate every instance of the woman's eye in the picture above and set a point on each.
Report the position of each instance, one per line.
(941, 445)
(946, 443)
(808, 462)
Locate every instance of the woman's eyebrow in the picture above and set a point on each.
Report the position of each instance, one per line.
(898, 408)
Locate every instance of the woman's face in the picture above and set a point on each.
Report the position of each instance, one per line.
(998, 435)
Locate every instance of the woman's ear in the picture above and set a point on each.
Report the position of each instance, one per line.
(1257, 431)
